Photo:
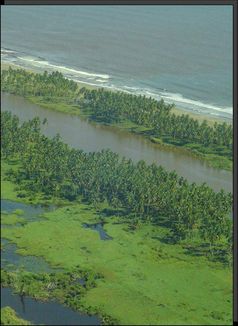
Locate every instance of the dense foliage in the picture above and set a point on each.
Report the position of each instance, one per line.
(24, 83)
(143, 192)
(110, 107)
(9, 317)
(67, 287)
(116, 106)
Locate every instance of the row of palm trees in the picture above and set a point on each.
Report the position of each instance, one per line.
(145, 192)
(113, 107)
(50, 86)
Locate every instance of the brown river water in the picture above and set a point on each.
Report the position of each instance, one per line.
(88, 136)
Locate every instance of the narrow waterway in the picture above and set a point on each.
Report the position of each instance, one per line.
(48, 313)
(80, 133)
(44, 313)
(10, 259)
(99, 228)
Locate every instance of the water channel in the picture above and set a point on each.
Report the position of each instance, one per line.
(99, 228)
(49, 313)
(79, 133)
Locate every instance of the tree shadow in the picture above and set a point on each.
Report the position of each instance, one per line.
(109, 212)
(216, 254)
(197, 250)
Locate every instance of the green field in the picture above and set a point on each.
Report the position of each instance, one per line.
(145, 280)
(9, 317)
(11, 219)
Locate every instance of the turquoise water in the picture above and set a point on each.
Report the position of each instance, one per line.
(180, 53)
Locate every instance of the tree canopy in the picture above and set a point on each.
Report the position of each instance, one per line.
(113, 107)
(144, 192)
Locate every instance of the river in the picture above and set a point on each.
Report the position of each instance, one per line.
(44, 313)
(79, 133)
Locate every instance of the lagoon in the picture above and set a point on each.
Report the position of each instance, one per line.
(82, 134)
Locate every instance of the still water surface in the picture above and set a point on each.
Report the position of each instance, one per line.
(182, 54)
(47, 313)
(10, 259)
(79, 133)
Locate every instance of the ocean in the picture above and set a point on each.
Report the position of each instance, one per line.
(182, 54)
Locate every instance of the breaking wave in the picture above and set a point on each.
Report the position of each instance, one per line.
(111, 82)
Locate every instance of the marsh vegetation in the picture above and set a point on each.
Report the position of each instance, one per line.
(168, 238)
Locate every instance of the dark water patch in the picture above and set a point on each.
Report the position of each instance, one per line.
(81, 281)
(11, 226)
(99, 228)
(10, 260)
(48, 313)
(30, 212)
(108, 212)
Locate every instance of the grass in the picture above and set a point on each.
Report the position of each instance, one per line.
(10, 191)
(9, 317)
(145, 280)
(60, 106)
(8, 187)
(11, 219)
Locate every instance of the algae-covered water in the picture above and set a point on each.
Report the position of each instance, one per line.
(49, 313)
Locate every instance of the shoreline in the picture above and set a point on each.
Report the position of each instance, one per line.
(177, 110)
(214, 160)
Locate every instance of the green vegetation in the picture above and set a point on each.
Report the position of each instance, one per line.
(138, 278)
(7, 187)
(57, 106)
(144, 193)
(11, 219)
(11, 191)
(154, 119)
(9, 317)
(67, 287)
(169, 260)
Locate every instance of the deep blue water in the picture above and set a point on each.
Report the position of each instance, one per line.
(180, 53)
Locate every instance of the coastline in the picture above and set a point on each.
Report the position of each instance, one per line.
(213, 160)
(177, 110)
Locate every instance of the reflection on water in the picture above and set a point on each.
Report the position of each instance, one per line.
(79, 133)
(10, 259)
(29, 212)
(99, 228)
(47, 313)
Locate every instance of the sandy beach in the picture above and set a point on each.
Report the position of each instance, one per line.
(178, 111)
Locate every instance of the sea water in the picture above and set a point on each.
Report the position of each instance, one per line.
(182, 54)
